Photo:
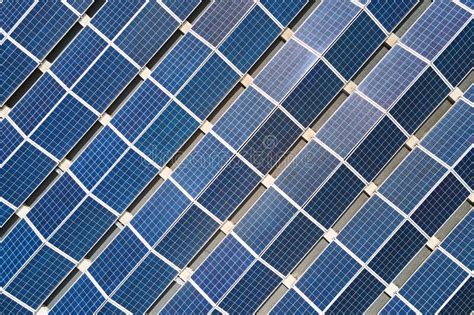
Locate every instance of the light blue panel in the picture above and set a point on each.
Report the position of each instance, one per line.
(460, 243)
(292, 303)
(114, 15)
(413, 178)
(370, 227)
(188, 300)
(396, 306)
(285, 69)
(349, 124)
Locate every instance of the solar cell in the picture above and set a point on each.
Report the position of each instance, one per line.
(14, 13)
(464, 168)
(396, 306)
(461, 302)
(390, 13)
(11, 139)
(8, 305)
(459, 242)
(284, 11)
(292, 303)
(181, 8)
(188, 300)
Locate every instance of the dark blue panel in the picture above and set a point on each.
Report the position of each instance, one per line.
(40, 277)
(460, 241)
(117, 260)
(56, 204)
(13, 11)
(80, 5)
(114, 15)
(358, 296)
(98, 157)
(201, 165)
(440, 204)
(182, 8)
(189, 234)
(355, 46)
(313, 94)
(36, 103)
(83, 229)
(105, 80)
(307, 172)
(229, 189)
(461, 302)
(109, 309)
(23, 173)
(125, 181)
(140, 110)
(377, 149)
(147, 32)
(284, 11)
(11, 139)
(292, 303)
(465, 168)
(398, 251)
(271, 141)
(328, 275)
(181, 62)
(424, 96)
(64, 127)
(390, 13)
(16, 66)
(146, 283)
(167, 134)
(159, 212)
(8, 306)
(266, 218)
(293, 244)
(396, 306)
(251, 290)
(250, 39)
(243, 117)
(5, 213)
(220, 18)
(187, 301)
(456, 61)
(82, 298)
(335, 196)
(17, 247)
(78, 56)
(44, 26)
(198, 95)
(223, 267)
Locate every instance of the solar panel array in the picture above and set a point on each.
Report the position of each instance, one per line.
(102, 214)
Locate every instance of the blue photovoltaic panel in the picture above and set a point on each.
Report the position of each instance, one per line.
(252, 289)
(187, 301)
(182, 8)
(80, 5)
(159, 212)
(147, 32)
(292, 244)
(465, 168)
(284, 11)
(266, 218)
(36, 103)
(187, 236)
(390, 13)
(250, 39)
(114, 15)
(17, 247)
(63, 128)
(5, 213)
(125, 181)
(435, 28)
(78, 56)
(433, 283)
(292, 303)
(39, 277)
(167, 134)
(461, 302)
(313, 93)
(331, 271)
(209, 85)
(56, 204)
(355, 46)
(83, 229)
(11, 139)
(179, 64)
(13, 12)
(396, 306)
(117, 260)
(16, 66)
(222, 268)
(98, 157)
(109, 309)
(144, 285)
(460, 243)
(83, 298)
(335, 196)
(23, 172)
(245, 115)
(44, 26)
(105, 79)
(139, 110)
(7, 305)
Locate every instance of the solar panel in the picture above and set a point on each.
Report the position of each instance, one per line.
(253, 156)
